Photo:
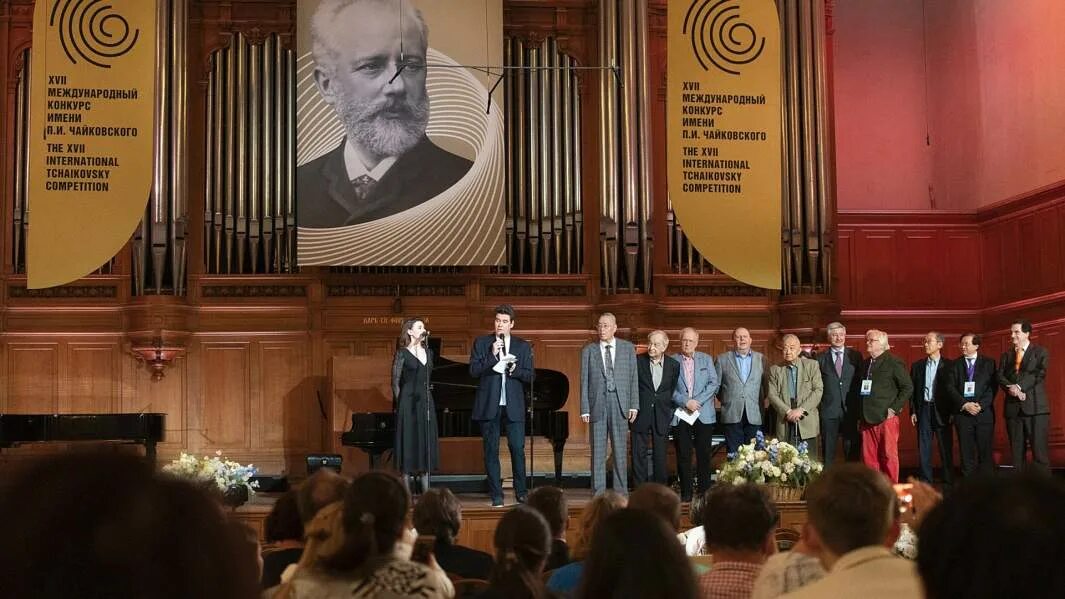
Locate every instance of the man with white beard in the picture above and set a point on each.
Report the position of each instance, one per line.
(370, 65)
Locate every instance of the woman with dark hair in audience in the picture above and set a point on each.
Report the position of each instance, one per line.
(365, 563)
(283, 533)
(522, 542)
(635, 554)
(416, 436)
(439, 513)
(564, 580)
(1001, 536)
(92, 525)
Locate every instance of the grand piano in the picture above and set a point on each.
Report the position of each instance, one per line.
(144, 428)
(453, 391)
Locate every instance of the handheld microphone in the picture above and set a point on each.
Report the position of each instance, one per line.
(425, 338)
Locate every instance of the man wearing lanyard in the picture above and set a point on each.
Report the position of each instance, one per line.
(1021, 372)
(884, 392)
(929, 413)
(971, 390)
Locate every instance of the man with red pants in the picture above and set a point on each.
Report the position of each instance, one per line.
(885, 389)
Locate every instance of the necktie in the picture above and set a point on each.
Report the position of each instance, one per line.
(1017, 360)
(839, 363)
(609, 370)
(363, 185)
(970, 368)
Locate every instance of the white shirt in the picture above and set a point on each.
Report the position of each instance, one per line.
(355, 168)
(613, 351)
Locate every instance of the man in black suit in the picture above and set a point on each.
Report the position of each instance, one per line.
(1021, 372)
(971, 389)
(930, 408)
(839, 402)
(656, 378)
(370, 67)
(439, 513)
(504, 365)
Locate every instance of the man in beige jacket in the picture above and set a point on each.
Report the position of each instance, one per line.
(795, 388)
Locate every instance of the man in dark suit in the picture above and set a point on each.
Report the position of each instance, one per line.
(839, 402)
(884, 391)
(552, 505)
(610, 401)
(930, 409)
(1021, 372)
(370, 67)
(971, 389)
(504, 365)
(657, 378)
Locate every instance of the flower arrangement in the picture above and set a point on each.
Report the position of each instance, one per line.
(771, 462)
(214, 471)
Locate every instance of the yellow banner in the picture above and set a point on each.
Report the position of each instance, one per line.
(724, 133)
(91, 124)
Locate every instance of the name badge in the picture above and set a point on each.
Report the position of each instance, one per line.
(867, 386)
(970, 389)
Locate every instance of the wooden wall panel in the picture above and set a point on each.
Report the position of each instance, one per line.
(32, 378)
(225, 410)
(287, 414)
(168, 396)
(94, 379)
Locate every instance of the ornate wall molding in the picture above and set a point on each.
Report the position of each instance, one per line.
(391, 290)
(578, 290)
(72, 292)
(254, 291)
(715, 291)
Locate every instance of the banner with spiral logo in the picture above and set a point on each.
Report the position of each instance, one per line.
(725, 133)
(92, 99)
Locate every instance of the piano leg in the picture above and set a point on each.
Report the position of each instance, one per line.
(149, 451)
(558, 445)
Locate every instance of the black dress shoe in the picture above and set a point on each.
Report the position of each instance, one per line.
(522, 498)
(497, 503)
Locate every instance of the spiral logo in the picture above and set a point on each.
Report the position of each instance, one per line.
(92, 30)
(718, 36)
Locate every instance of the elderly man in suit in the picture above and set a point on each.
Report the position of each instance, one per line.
(370, 67)
(504, 365)
(657, 377)
(970, 389)
(741, 373)
(1021, 372)
(610, 400)
(884, 391)
(795, 389)
(930, 410)
(839, 407)
(696, 388)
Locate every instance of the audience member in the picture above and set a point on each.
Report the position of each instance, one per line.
(694, 539)
(787, 571)
(373, 521)
(739, 521)
(319, 490)
(659, 500)
(439, 513)
(995, 537)
(565, 579)
(551, 503)
(246, 540)
(522, 542)
(853, 519)
(92, 525)
(283, 533)
(635, 554)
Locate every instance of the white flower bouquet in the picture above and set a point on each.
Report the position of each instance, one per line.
(214, 471)
(772, 463)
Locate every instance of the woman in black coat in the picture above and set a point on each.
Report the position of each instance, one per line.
(416, 452)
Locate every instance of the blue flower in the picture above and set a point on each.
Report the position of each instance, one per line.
(759, 441)
(804, 448)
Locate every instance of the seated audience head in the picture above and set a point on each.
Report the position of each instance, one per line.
(635, 554)
(739, 519)
(438, 513)
(283, 523)
(851, 506)
(695, 509)
(522, 543)
(319, 490)
(95, 525)
(246, 540)
(593, 514)
(995, 537)
(374, 518)
(551, 503)
(659, 500)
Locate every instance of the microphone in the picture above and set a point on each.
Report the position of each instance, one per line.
(425, 338)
